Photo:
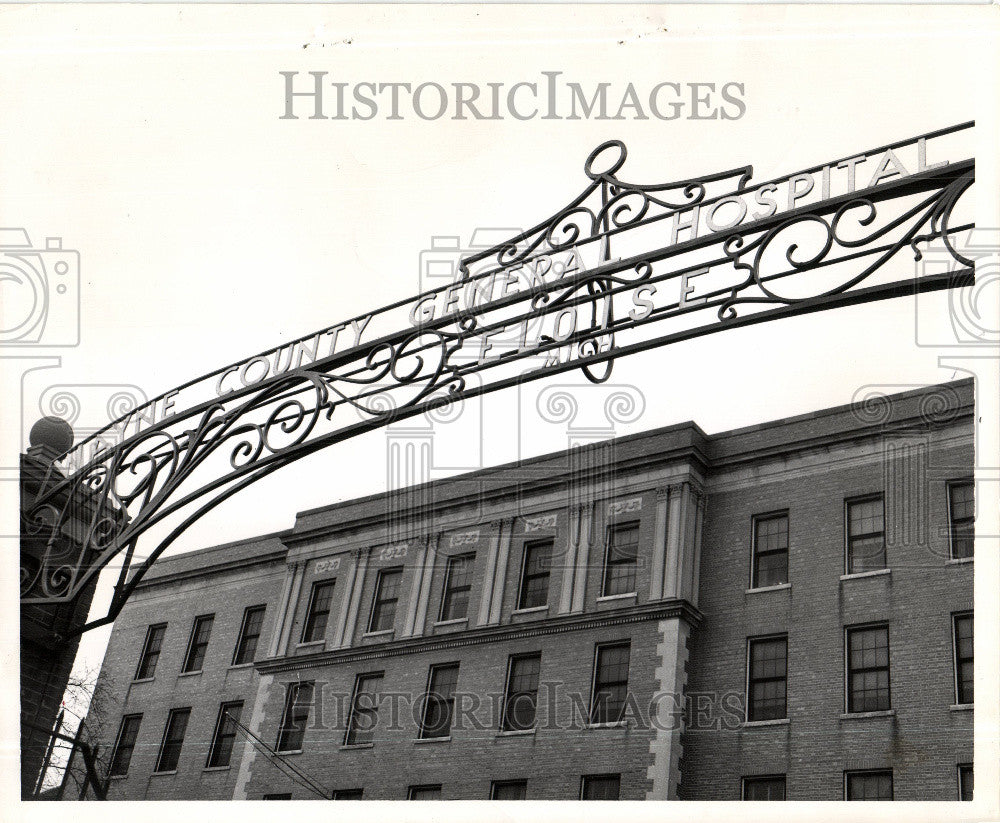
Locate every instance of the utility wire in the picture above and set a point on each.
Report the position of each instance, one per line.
(300, 776)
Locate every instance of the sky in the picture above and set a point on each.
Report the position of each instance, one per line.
(150, 139)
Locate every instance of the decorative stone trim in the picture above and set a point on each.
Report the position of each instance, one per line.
(486, 634)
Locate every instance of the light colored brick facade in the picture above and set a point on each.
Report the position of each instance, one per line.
(693, 498)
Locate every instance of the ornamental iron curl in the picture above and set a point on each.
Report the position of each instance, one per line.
(204, 452)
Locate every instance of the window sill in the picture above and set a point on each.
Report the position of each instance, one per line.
(873, 573)
(623, 596)
(754, 724)
(380, 633)
(958, 561)
(117, 777)
(962, 707)
(351, 746)
(164, 774)
(516, 733)
(531, 610)
(453, 622)
(189, 674)
(242, 665)
(421, 740)
(290, 751)
(864, 715)
(309, 643)
(143, 680)
(617, 724)
(776, 588)
(216, 769)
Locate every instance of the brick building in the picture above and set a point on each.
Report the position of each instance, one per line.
(780, 611)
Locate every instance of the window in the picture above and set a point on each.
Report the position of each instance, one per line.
(509, 790)
(173, 739)
(873, 785)
(767, 681)
(961, 516)
(364, 710)
(620, 562)
(865, 535)
(535, 575)
(124, 746)
(610, 683)
(246, 646)
(600, 786)
(965, 781)
(225, 734)
(424, 792)
(150, 652)
(319, 611)
(439, 706)
(457, 585)
(964, 681)
(868, 669)
(348, 794)
(522, 692)
(278, 796)
(294, 718)
(384, 604)
(198, 643)
(771, 787)
(770, 551)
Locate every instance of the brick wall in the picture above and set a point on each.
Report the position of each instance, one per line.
(925, 740)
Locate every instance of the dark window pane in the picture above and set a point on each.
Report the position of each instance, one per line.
(439, 706)
(622, 553)
(173, 739)
(962, 513)
(868, 669)
(509, 790)
(319, 612)
(278, 796)
(151, 652)
(964, 679)
(522, 692)
(768, 678)
(424, 792)
(965, 782)
(457, 586)
(246, 647)
(199, 643)
(364, 710)
(876, 785)
(770, 546)
(225, 734)
(386, 596)
(127, 734)
(601, 787)
(535, 577)
(610, 683)
(764, 788)
(295, 717)
(348, 794)
(865, 535)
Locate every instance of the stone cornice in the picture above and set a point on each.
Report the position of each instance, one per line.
(487, 634)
